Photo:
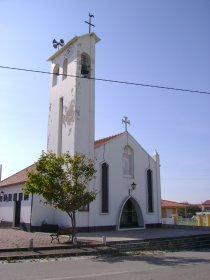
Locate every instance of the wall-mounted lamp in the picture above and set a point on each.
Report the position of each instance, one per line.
(132, 188)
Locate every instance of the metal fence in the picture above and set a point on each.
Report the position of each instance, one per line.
(187, 221)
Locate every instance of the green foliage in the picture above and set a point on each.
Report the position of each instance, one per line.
(181, 212)
(63, 182)
(192, 210)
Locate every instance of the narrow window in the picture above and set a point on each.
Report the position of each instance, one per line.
(55, 75)
(105, 189)
(149, 191)
(10, 197)
(60, 122)
(1, 198)
(5, 197)
(14, 197)
(65, 65)
(85, 65)
(20, 196)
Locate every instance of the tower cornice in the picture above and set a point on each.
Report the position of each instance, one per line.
(71, 42)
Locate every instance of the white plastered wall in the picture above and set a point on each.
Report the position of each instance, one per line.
(7, 207)
(41, 213)
(111, 153)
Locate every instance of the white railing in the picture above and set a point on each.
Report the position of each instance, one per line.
(167, 221)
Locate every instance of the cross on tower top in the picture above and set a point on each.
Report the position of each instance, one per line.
(126, 121)
(89, 23)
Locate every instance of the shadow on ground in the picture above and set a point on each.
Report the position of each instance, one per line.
(161, 259)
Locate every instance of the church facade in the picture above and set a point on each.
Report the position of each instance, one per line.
(127, 178)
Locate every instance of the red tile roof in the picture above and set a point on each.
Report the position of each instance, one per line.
(101, 142)
(167, 203)
(21, 176)
(207, 202)
(17, 178)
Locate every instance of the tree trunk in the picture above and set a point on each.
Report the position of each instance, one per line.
(73, 224)
(74, 229)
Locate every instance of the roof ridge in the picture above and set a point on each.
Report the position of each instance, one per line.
(109, 137)
(175, 201)
(98, 143)
(206, 202)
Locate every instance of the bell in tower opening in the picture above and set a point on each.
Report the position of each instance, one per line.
(85, 65)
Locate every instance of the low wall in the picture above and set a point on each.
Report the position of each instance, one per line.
(167, 221)
(186, 227)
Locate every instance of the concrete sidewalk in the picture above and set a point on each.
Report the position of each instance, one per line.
(15, 243)
(16, 239)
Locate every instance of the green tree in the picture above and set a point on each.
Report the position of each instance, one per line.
(63, 182)
(192, 210)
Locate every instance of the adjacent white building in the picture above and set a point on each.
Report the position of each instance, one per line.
(127, 178)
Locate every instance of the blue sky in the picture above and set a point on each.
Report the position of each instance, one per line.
(158, 42)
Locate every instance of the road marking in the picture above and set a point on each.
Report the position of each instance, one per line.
(92, 275)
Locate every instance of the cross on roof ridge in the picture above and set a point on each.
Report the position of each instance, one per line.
(126, 121)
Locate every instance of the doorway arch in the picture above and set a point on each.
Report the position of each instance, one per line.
(130, 215)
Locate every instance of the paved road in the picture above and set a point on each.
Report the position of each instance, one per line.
(173, 266)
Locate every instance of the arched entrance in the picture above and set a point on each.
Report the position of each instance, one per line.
(130, 215)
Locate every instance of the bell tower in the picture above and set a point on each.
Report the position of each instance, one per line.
(72, 97)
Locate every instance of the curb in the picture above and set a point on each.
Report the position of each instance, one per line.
(68, 252)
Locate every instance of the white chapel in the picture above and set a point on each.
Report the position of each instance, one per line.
(127, 178)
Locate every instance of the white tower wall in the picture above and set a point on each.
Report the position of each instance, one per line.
(71, 111)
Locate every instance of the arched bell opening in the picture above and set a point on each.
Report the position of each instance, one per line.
(55, 77)
(85, 65)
